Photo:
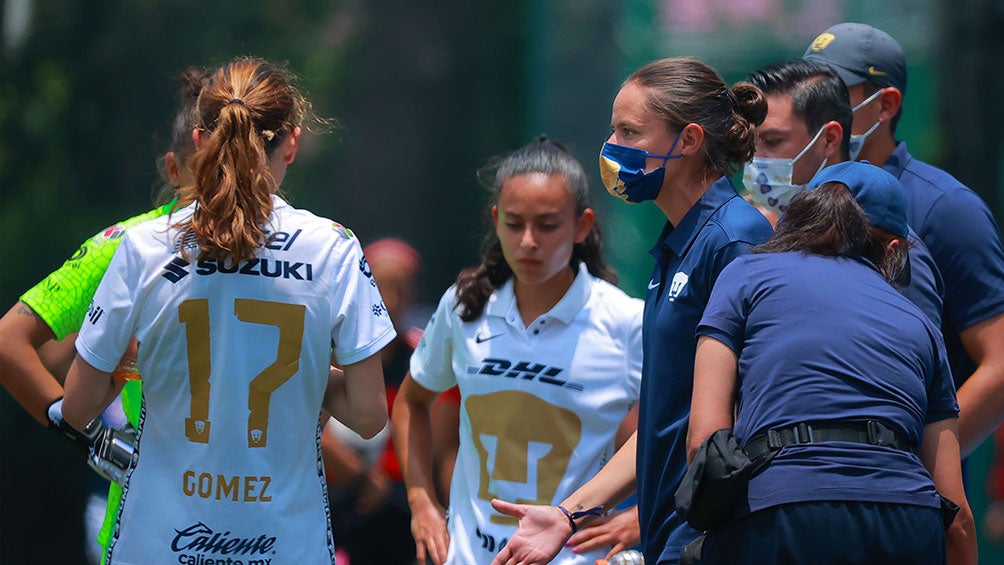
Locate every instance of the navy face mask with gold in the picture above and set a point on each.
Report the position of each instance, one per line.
(623, 172)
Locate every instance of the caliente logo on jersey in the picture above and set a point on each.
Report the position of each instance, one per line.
(199, 544)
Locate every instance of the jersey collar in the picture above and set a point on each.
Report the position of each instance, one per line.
(502, 302)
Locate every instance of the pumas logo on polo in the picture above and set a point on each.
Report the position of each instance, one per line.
(481, 339)
(821, 42)
(679, 282)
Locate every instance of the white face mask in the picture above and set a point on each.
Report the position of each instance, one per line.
(858, 141)
(768, 180)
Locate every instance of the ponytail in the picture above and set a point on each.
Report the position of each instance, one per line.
(244, 112)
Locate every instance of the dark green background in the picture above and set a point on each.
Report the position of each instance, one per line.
(425, 94)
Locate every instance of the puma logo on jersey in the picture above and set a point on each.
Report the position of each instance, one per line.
(258, 267)
(523, 370)
(680, 281)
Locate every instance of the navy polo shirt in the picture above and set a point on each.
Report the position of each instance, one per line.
(962, 236)
(926, 288)
(718, 228)
(823, 338)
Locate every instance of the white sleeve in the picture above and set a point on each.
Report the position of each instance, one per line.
(111, 316)
(362, 324)
(432, 362)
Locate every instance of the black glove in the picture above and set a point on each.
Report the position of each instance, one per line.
(81, 439)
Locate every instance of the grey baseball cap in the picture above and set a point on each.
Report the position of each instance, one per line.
(859, 52)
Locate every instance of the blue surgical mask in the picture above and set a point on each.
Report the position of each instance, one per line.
(623, 172)
(858, 141)
(768, 180)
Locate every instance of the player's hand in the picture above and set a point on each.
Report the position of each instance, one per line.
(428, 527)
(112, 452)
(81, 439)
(541, 534)
(620, 530)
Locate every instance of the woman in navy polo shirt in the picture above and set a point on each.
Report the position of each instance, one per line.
(843, 378)
(678, 131)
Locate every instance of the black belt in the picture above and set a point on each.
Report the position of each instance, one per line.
(869, 432)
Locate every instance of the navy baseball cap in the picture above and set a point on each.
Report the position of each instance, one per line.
(879, 194)
(859, 52)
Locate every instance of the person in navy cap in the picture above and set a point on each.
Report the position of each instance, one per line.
(952, 220)
(807, 128)
(862, 455)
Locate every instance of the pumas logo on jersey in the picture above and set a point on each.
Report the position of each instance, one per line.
(199, 544)
(523, 370)
(175, 270)
(257, 267)
(676, 287)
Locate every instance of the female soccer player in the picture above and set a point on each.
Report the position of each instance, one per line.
(678, 131)
(546, 356)
(237, 301)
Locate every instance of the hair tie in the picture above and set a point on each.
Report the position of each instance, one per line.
(267, 134)
(236, 101)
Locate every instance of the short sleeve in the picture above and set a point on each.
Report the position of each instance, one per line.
(362, 324)
(964, 240)
(110, 319)
(941, 400)
(432, 362)
(724, 317)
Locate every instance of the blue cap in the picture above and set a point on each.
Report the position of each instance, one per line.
(879, 194)
(860, 52)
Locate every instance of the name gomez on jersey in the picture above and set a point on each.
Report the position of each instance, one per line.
(234, 362)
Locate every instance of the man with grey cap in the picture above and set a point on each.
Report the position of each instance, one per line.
(952, 220)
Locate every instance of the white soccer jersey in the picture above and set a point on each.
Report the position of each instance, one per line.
(540, 405)
(234, 362)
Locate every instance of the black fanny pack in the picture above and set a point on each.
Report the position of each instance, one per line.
(715, 480)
